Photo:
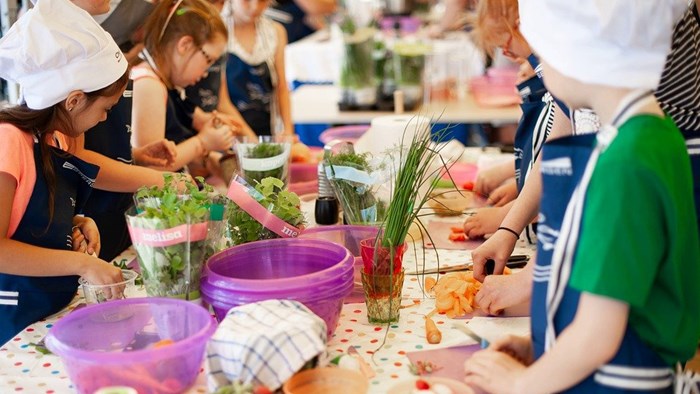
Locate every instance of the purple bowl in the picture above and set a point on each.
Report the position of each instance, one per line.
(345, 235)
(317, 273)
(116, 344)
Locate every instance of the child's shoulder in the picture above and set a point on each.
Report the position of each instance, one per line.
(277, 27)
(644, 135)
(12, 134)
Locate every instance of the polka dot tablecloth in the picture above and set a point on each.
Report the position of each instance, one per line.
(22, 369)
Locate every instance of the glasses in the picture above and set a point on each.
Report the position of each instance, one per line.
(210, 59)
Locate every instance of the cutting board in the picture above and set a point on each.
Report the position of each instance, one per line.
(440, 232)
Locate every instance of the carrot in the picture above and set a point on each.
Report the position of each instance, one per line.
(429, 283)
(457, 237)
(163, 343)
(432, 334)
(457, 230)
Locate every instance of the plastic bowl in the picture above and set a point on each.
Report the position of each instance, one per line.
(317, 273)
(95, 294)
(154, 345)
(344, 133)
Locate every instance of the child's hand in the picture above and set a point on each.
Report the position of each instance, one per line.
(520, 348)
(216, 138)
(489, 179)
(503, 194)
(221, 119)
(494, 371)
(499, 292)
(99, 272)
(88, 233)
(158, 153)
(485, 221)
(498, 248)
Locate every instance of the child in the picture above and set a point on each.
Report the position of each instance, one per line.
(71, 73)
(495, 25)
(615, 298)
(183, 39)
(255, 67)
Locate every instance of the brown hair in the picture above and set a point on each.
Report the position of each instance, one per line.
(493, 17)
(41, 122)
(165, 26)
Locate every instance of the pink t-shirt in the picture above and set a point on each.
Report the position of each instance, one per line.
(17, 160)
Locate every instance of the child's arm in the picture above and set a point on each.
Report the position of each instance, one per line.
(589, 342)
(285, 106)
(115, 176)
(18, 258)
(502, 243)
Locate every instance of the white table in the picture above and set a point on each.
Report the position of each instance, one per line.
(24, 370)
(318, 104)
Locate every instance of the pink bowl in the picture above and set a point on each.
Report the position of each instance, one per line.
(116, 344)
(343, 133)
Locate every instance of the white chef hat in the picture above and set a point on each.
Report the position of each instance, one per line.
(622, 43)
(55, 48)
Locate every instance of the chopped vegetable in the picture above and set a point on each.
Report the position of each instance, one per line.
(432, 333)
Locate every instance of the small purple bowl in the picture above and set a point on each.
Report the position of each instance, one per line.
(154, 345)
(316, 273)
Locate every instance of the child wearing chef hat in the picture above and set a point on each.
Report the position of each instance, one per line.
(71, 73)
(615, 298)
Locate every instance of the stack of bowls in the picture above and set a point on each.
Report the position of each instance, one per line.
(317, 273)
(154, 345)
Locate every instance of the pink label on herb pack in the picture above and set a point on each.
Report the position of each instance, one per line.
(168, 237)
(238, 194)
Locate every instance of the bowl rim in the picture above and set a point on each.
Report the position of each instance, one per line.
(347, 259)
(132, 278)
(59, 348)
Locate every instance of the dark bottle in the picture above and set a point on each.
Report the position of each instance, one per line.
(326, 208)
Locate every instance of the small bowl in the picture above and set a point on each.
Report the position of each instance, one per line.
(450, 202)
(326, 380)
(97, 294)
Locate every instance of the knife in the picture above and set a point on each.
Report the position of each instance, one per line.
(471, 334)
(514, 261)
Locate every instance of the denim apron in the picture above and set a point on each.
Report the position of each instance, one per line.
(112, 138)
(567, 165)
(251, 88)
(26, 300)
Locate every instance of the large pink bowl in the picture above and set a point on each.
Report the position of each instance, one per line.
(116, 344)
(317, 273)
(344, 133)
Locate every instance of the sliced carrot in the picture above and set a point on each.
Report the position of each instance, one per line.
(429, 283)
(457, 237)
(163, 343)
(457, 230)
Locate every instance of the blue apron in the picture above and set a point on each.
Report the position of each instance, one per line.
(291, 16)
(250, 88)
(692, 140)
(566, 165)
(30, 299)
(533, 128)
(112, 138)
(205, 93)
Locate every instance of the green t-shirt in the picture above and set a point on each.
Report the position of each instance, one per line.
(639, 241)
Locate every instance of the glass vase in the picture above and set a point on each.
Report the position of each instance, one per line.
(383, 296)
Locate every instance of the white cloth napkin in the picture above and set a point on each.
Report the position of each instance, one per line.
(264, 343)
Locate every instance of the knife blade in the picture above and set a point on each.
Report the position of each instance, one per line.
(514, 261)
(471, 334)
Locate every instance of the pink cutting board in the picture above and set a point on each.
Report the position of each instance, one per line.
(440, 232)
(450, 360)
